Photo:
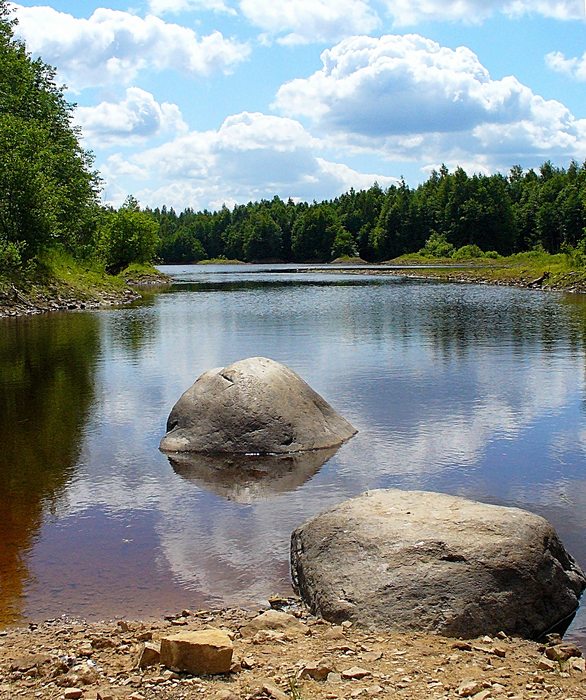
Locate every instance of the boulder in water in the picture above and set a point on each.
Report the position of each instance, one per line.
(254, 406)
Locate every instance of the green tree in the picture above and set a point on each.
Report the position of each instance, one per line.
(344, 244)
(314, 233)
(126, 236)
(262, 238)
(48, 191)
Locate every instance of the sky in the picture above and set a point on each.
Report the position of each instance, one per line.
(200, 103)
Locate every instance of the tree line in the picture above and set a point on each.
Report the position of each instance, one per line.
(450, 211)
(50, 198)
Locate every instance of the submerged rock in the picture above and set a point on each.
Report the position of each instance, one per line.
(411, 560)
(253, 406)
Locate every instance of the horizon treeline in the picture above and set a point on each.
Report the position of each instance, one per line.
(525, 210)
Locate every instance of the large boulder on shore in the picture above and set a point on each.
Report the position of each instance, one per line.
(411, 560)
(253, 406)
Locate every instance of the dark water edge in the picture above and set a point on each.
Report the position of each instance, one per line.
(468, 390)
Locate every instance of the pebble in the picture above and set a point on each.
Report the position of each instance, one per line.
(546, 665)
(470, 688)
(355, 673)
(72, 693)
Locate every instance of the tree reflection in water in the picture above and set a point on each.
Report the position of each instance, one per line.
(47, 385)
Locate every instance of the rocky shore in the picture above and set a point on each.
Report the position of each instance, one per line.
(572, 282)
(285, 654)
(30, 299)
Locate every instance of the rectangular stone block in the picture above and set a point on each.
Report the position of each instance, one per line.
(203, 652)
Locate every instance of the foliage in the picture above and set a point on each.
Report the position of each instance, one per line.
(437, 246)
(127, 235)
(449, 214)
(48, 192)
(467, 252)
(344, 245)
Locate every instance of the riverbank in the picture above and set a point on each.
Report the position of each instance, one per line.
(528, 270)
(284, 656)
(67, 285)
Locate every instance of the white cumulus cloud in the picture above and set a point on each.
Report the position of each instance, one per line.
(573, 67)
(250, 157)
(407, 96)
(135, 118)
(305, 21)
(112, 47)
(411, 12)
(161, 7)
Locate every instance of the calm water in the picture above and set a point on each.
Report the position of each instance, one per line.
(468, 390)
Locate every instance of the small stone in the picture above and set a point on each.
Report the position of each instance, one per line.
(334, 633)
(483, 695)
(546, 665)
(374, 690)
(278, 602)
(469, 688)
(355, 673)
(334, 678)
(72, 693)
(346, 624)
(104, 695)
(273, 691)
(149, 655)
(498, 651)
(268, 636)
(179, 622)
(248, 662)
(226, 695)
(578, 665)
(273, 620)
(202, 653)
(371, 656)
(136, 696)
(563, 652)
(461, 645)
(318, 670)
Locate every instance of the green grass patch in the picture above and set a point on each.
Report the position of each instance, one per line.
(563, 271)
(220, 261)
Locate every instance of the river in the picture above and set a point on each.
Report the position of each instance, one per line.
(466, 389)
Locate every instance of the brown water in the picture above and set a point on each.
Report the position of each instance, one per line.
(469, 390)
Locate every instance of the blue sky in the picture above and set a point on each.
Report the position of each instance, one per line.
(196, 103)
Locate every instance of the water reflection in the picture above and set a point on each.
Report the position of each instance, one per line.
(46, 375)
(469, 390)
(246, 479)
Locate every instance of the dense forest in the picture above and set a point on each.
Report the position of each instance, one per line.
(450, 213)
(50, 200)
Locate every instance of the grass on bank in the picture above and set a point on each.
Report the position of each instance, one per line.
(220, 261)
(58, 274)
(560, 271)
